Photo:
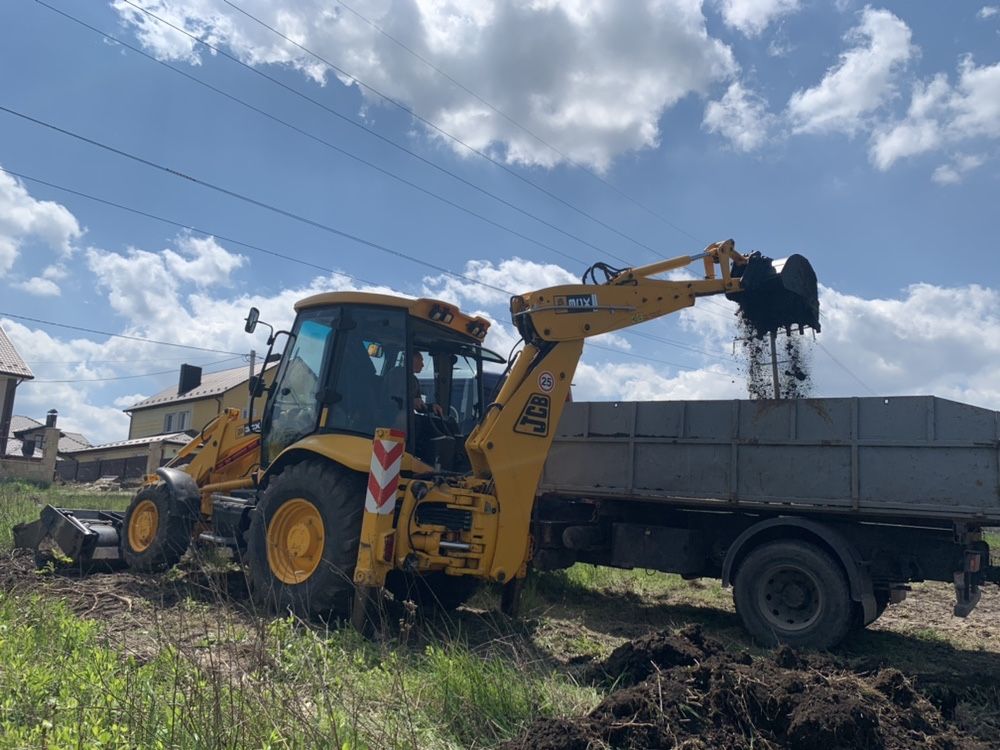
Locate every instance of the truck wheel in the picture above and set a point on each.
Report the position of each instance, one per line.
(154, 534)
(436, 589)
(304, 537)
(795, 593)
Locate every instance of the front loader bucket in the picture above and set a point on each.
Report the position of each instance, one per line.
(777, 294)
(72, 537)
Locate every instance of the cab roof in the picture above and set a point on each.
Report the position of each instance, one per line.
(435, 311)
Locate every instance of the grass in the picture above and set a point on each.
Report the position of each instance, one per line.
(215, 674)
(583, 579)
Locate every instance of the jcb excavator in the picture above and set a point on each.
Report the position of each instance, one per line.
(367, 471)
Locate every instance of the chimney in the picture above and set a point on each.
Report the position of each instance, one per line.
(51, 417)
(189, 380)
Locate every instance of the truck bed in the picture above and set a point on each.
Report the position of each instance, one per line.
(918, 457)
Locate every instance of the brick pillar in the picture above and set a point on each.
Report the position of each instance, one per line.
(155, 457)
(51, 451)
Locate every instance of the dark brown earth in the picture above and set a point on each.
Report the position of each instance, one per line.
(685, 690)
(754, 355)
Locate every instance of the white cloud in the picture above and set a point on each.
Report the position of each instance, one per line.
(202, 260)
(954, 173)
(753, 16)
(943, 115)
(39, 286)
(741, 116)
(988, 11)
(55, 272)
(23, 218)
(935, 340)
(861, 82)
(631, 381)
(591, 77)
(515, 274)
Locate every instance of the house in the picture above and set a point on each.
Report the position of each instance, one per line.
(13, 372)
(195, 400)
(27, 437)
(124, 459)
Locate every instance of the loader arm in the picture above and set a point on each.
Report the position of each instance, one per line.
(512, 442)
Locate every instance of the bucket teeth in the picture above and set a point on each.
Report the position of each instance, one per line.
(774, 298)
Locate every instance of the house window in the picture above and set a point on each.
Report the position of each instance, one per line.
(176, 421)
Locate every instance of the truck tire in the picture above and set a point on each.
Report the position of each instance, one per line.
(155, 534)
(433, 590)
(793, 592)
(304, 537)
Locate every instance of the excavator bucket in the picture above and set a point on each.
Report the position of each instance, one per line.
(777, 294)
(77, 537)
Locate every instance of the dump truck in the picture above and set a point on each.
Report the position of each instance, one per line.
(365, 473)
(818, 511)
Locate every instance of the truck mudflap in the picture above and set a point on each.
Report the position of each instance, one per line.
(73, 537)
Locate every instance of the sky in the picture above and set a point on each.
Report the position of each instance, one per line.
(168, 163)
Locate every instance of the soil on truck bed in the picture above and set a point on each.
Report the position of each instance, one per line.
(686, 690)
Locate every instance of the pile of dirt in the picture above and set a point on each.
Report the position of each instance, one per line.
(685, 690)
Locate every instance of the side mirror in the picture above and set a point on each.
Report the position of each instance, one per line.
(272, 358)
(252, 317)
(256, 386)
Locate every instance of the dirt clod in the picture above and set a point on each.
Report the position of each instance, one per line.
(684, 690)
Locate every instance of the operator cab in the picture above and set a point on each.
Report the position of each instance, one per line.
(356, 362)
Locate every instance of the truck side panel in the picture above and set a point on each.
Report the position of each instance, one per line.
(910, 457)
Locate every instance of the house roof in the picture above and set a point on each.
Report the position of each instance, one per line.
(177, 438)
(10, 361)
(212, 384)
(20, 426)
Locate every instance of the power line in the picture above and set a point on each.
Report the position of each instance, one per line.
(187, 227)
(517, 124)
(247, 199)
(844, 367)
(322, 141)
(434, 126)
(123, 377)
(116, 335)
(379, 136)
(293, 259)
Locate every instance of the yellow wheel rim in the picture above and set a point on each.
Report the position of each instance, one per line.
(295, 541)
(142, 525)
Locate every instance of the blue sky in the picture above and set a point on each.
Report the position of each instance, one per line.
(863, 136)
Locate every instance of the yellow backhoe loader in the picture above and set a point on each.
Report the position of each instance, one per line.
(380, 459)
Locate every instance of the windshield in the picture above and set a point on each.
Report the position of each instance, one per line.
(293, 409)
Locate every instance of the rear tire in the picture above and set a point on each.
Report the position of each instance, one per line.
(155, 534)
(304, 536)
(793, 592)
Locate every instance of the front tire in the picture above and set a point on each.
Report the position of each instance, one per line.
(304, 537)
(793, 592)
(155, 534)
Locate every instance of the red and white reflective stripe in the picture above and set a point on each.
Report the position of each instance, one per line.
(383, 479)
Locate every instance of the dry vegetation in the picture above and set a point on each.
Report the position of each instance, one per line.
(183, 660)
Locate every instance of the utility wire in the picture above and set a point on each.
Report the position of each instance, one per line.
(123, 377)
(116, 335)
(435, 127)
(247, 199)
(293, 259)
(517, 124)
(187, 227)
(321, 141)
(845, 368)
(379, 136)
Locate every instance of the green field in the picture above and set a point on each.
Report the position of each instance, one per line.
(184, 660)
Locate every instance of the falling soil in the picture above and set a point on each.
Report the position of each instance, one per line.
(685, 690)
(794, 377)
